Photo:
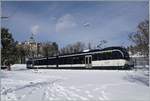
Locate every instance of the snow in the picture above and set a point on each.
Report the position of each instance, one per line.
(74, 85)
(136, 55)
(18, 67)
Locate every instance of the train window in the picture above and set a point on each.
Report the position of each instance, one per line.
(37, 62)
(116, 55)
(72, 60)
(95, 57)
(86, 60)
(64, 60)
(81, 59)
(90, 60)
(45, 62)
(52, 61)
(103, 56)
(100, 56)
(69, 60)
(109, 55)
(75, 60)
(29, 62)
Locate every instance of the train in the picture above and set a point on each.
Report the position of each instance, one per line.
(107, 58)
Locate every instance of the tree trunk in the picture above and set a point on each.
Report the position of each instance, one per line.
(8, 68)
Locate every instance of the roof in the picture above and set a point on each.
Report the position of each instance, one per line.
(95, 50)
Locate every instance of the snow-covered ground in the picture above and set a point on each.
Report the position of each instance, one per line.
(18, 67)
(74, 85)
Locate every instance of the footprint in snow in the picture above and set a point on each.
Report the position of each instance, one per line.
(73, 88)
(87, 92)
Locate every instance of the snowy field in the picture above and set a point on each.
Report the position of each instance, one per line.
(74, 85)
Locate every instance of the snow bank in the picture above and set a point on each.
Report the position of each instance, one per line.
(2, 74)
(18, 67)
(138, 76)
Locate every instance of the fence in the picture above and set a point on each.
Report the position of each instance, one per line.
(140, 62)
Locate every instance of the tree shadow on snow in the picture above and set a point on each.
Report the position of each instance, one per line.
(135, 78)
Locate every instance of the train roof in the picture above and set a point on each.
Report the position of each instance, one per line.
(95, 50)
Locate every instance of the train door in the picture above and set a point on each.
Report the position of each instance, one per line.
(88, 61)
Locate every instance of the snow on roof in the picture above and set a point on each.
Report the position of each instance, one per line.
(87, 50)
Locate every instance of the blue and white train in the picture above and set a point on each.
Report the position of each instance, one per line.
(107, 58)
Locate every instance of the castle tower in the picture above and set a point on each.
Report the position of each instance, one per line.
(33, 46)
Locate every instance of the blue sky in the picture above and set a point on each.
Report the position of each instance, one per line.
(69, 22)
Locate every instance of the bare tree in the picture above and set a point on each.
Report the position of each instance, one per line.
(101, 44)
(140, 38)
(49, 49)
(73, 48)
(78, 47)
(89, 46)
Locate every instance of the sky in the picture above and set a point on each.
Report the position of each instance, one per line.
(68, 22)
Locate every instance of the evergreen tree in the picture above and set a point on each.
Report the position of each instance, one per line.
(22, 52)
(8, 49)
